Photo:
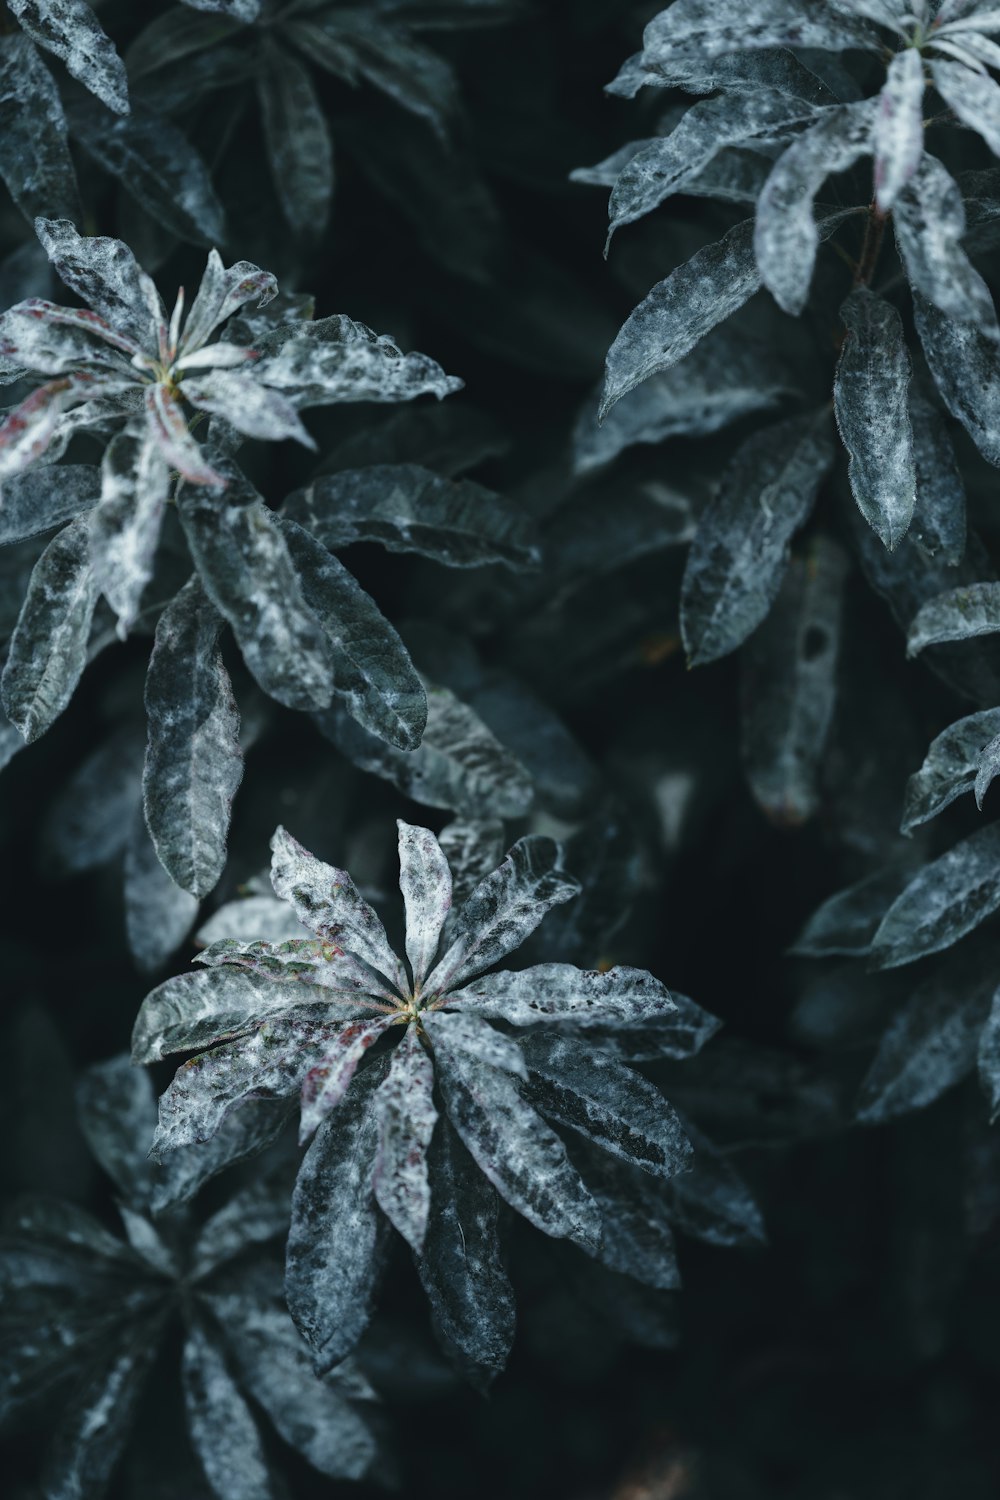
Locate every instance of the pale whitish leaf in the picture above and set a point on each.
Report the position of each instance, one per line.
(663, 167)
(242, 402)
(892, 13)
(950, 767)
(326, 1083)
(973, 96)
(512, 1146)
(221, 1425)
(249, 918)
(790, 686)
(871, 402)
(30, 427)
(847, 920)
(723, 379)
(406, 1114)
(951, 11)
(504, 910)
(958, 615)
(168, 428)
(734, 176)
(786, 235)
(48, 650)
(10, 742)
(989, 1057)
(459, 764)
(706, 29)
(245, 1132)
(326, 900)
(54, 340)
(606, 173)
(159, 914)
(192, 1010)
(679, 1032)
(965, 364)
(125, 526)
(609, 1103)
(931, 1043)
(248, 573)
(938, 526)
(930, 223)
(117, 1110)
(371, 668)
(105, 274)
(987, 769)
(473, 847)
(222, 292)
(239, 10)
(898, 136)
(973, 49)
(461, 1270)
(147, 1242)
(157, 165)
(406, 508)
(40, 498)
(425, 881)
(948, 898)
(70, 30)
(679, 311)
(194, 763)
(336, 359)
(638, 1240)
(477, 1039)
(300, 152)
(337, 1241)
(740, 550)
(553, 993)
(35, 162)
(735, 72)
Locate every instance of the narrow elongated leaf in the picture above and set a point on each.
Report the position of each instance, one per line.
(950, 767)
(786, 236)
(35, 162)
(987, 768)
(461, 1270)
(222, 291)
(503, 910)
(371, 668)
(328, 1080)
(70, 30)
(948, 898)
(48, 650)
(989, 1057)
(511, 1144)
(871, 401)
(105, 274)
(958, 615)
(406, 508)
(299, 148)
(336, 359)
(40, 498)
(473, 847)
(336, 1243)
(406, 1119)
(222, 1427)
(930, 223)
(194, 763)
(848, 920)
(472, 1035)
(975, 98)
(965, 363)
(159, 914)
(246, 405)
(194, 1009)
(740, 550)
(638, 1240)
(125, 526)
(253, 1216)
(245, 1132)
(938, 526)
(705, 29)
(425, 881)
(550, 993)
(898, 136)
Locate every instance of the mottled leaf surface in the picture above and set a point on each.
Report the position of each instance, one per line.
(898, 135)
(930, 223)
(959, 615)
(223, 1430)
(950, 767)
(125, 526)
(299, 148)
(159, 913)
(848, 920)
(70, 30)
(552, 993)
(40, 498)
(35, 162)
(407, 1116)
(948, 898)
(939, 518)
(965, 363)
(425, 881)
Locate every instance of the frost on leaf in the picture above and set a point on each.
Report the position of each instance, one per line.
(35, 161)
(70, 30)
(930, 224)
(950, 768)
(898, 136)
(947, 899)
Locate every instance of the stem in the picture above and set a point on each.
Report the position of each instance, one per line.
(871, 249)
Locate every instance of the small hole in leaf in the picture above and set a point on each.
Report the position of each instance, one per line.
(814, 643)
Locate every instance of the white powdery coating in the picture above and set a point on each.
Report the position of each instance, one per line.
(989, 1057)
(898, 136)
(966, 368)
(105, 273)
(706, 29)
(550, 993)
(948, 898)
(950, 767)
(249, 406)
(223, 1431)
(326, 1083)
(125, 526)
(930, 223)
(245, 920)
(194, 1009)
(312, 372)
(425, 882)
(404, 1105)
(473, 1036)
(974, 98)
(70, 30)
(956, 615)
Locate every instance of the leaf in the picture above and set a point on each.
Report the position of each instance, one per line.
(247, 571)
(336, 359)
(554, 993)
(117, 1110)
(157, 165)
(30, 427)
(239, 10)
(194, 763)
(989, 1057)
(245, 1132)
(328, 1080)
(70, 30)
(511, 1144)
(700, 30)
(786, 236)
(950, 767)
(371, 668)
(35, 162)
(125, 526)
(404, 1104)
(847, 921)
(947, 898)
(222, 291)
(425, 881)
(461, 1271)
(48, 650)
(740, 550)
(337, 1241)
(710, 1201)
(221, 1425)
(503, 910)
(959, 614)
(106, 275)
(406, 508)
(244, 919)
(638, 1240)
(974, 97)
(965, 363)
(871, 402)
(159, 914)
(938, 526)
(898, 135)
(931, 1042)
(39, 498)
(475, 1038)
(300, 152)
(87, 823)
(609, 1103)
(473, 847)
(790, 686)
(195, 1009)
(987, 769)
(255, 1215)
(243, 403)
(930, 224)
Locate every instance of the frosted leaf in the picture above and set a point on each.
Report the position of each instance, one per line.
(147, 1242)
(891, 13)
(247, 918)
(299, 148)
(117, 1110)
(327, 901)
(194, 763)
(898, 136)
(222, 1428)
(334, 359)
(248, 573)
(973, 96)
(425, 881)
(471, 1035)
(938, 526)
(125, 526)
(965, 363)
(328, 1080)
(159, 914)
(169, 430)
(989, 1057)
(512, 1146)
(70, 30)
(371, 668)
(786, 236)
(461, 1270)
(246, 1131)
(871, 401)
(39, 498)
(606, 173)
(847, 921)
(406, 1114)
(950, 767)
(960, 614)
(337, 1241)
(473, 847)
(948, 898)
(29, 428)
(503, 910)
(248, 406)
(255, 1215)
(39, 335)
(240, 10)
(222, 292)
(35, 161)
(740, 550)
(48, 650)
(105, 274)
(710, 1201)
(193, 1009)
(553, 993)
(706, 29)
(611, 1104)
(406, 508)
(680, 1032)
(987, 769)
(930, 223)
(638, 1239)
